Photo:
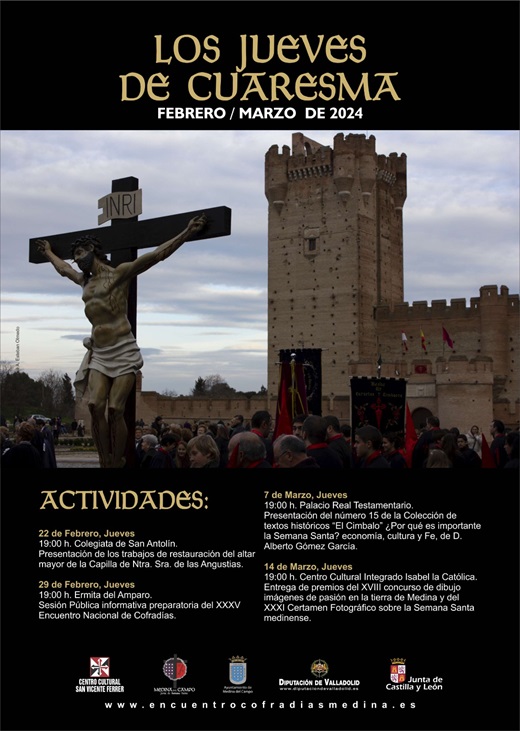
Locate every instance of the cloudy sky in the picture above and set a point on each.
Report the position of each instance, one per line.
(204, 311)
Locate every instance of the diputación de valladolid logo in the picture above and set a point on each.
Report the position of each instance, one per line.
(319, 670)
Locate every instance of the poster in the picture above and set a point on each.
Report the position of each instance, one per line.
(205, 603)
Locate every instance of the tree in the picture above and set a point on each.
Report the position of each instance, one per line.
(20, 395)
(169, 392)
(68, 399)
(199, 388)
(217, 387)
(57, 394)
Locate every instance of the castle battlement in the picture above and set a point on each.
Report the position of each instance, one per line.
(420, 311)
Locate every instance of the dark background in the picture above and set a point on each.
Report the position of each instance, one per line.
(475, 653)
(457, 62)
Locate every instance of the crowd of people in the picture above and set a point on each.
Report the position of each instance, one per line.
(318, 442)
(315, 442)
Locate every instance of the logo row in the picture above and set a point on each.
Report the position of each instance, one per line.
(175, 669)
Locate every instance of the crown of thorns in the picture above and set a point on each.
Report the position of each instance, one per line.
(94, 242)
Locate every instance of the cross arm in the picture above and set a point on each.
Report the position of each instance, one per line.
(137, 234)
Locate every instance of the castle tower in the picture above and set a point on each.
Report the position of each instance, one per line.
(335, 251)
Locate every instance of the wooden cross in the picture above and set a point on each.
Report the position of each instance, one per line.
(122, 240)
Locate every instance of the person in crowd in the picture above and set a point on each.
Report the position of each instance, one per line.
(236, 425)
(368, 443)
(48, 448)
(498, 452)
(511, 447)
(261, 423)
(202, 428)
(149, 444)
(431, 434)
(181, 454)
(222, 440)
(290, 451)
(449, 445)
(438, 458)
(314, 432)
(233, 449)
(164, 457)
(157, 425)
(23, 454)
(250, 452)
(5, 439)
(56, 431)
(81, 428)
(474, 438)
(73, 427)
(346, 430)
(297, 425)
(138, 443)
(390, 447)
(38, 439)
(470, 456)
(186, 433)
(174, 429)
(203, 452)
(336, 441)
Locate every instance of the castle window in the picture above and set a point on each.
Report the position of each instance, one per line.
(311, 242)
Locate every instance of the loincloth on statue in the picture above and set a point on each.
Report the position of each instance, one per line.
(115, 360)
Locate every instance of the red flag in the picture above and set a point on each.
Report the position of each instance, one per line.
(291, 397)
(423, 341)
(487, 457)
(410, 436)
(446, 338)
(404, 340)
(283, 423)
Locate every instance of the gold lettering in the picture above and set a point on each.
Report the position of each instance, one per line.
(281, 86)
(254, 87)
(336, 43)
(386, 86)
(288, 43)
(354, 47)
(158, 51)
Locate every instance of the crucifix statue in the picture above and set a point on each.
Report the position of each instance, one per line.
(113, 358)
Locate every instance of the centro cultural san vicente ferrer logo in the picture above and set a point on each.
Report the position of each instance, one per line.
(99, 680)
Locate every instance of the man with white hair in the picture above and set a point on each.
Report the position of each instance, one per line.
(149, 444)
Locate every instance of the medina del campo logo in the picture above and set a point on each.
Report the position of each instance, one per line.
(237, 670)
(398, 670)
(175, 669)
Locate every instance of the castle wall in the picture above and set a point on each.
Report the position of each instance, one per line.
(335, 233)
